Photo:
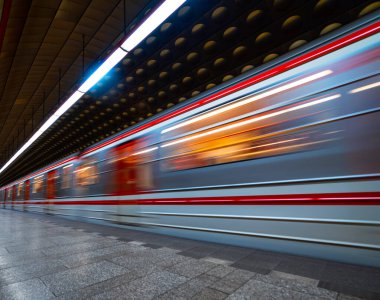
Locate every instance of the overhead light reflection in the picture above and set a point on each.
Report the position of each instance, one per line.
(145, 151)
(252, 120)
(270, 92)
(366, 87)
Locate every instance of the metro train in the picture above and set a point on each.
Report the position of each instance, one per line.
(284, 158)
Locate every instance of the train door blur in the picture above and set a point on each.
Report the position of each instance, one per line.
(125, 180)
(125, 173)
(3, 197)
(50, 188)
(13, 196)
(26, 193)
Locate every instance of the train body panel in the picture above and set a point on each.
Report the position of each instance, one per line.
(288, 163)
(344, 232)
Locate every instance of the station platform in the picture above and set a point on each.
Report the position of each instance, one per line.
(47, 257)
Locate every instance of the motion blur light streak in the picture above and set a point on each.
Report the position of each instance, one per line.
(155, 19)
(145, 151)
(106, 66)
(238, 124)
(366, 87)
(253, 98)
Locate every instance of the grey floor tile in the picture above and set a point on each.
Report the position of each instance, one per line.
(3, 251)
(298, 285)
(190, 288)
(189, 253)
(182, 244)
(37, 269)
(221, 271)
(83, 258)
(77, 278)
(201, 251)
(30, 289)
(210, 294)
(99, 288)
(148, 260)
(144, 288)
(33, 245)
(307, 267)
(346, 297)
(232, 253)
(349, 290)
(259, 262)
(15, 261)
(8, 277)
(192, 267)
(232, 281)
(254, 289)
(288, 276)
(217, 260)
(352, 276)
(153, 246)
(80, 247)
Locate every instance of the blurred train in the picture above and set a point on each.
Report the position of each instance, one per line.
(285, 158)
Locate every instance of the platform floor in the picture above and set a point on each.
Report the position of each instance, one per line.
(46, 257)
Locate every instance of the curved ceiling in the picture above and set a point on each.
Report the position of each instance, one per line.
(203, 44)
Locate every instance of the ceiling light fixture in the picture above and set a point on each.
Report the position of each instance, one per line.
(151, 23)
(104, 68)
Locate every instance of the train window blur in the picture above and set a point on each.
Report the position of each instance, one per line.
(37, 184)
(143, 159)
(10, 190)
(66, 176)
(87, 173)
(274, 132)
(19, 189)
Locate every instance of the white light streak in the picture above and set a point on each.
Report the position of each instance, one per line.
(268, 93)
(366, 87)
(145, 151)
(68, 103)
(105, 67)
(151, 23)
(249, 121)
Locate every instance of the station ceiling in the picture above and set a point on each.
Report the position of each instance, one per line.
(47, 47)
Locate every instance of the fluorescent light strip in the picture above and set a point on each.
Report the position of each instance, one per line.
(151, 23)
(267, 116)
(366, 87)
(105, 67)
(68, 103)
(268, 93)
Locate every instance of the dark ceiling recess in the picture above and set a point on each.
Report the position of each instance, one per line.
(204, 44)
